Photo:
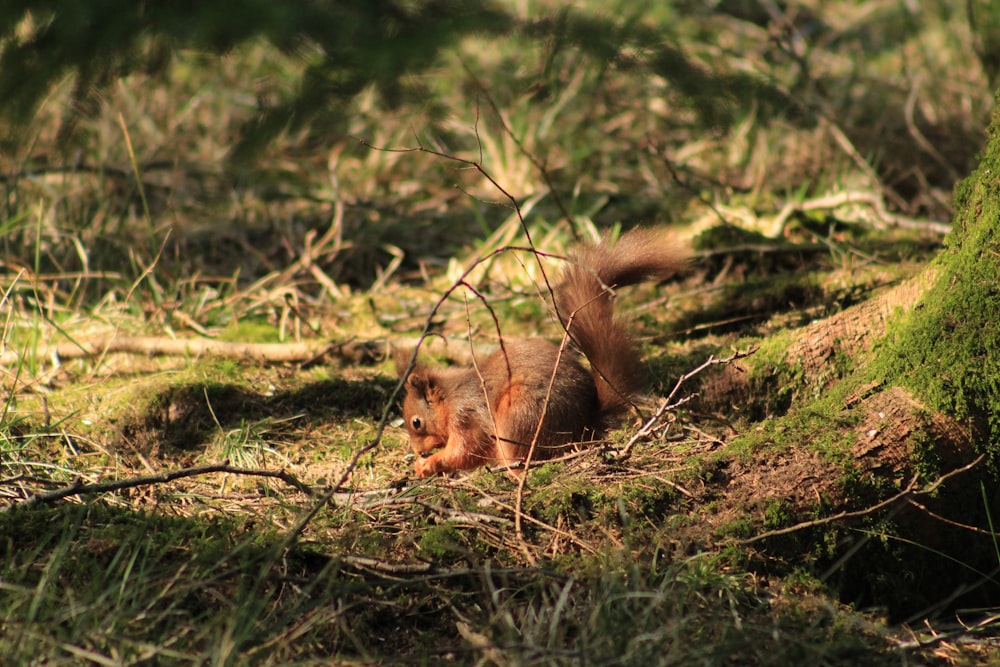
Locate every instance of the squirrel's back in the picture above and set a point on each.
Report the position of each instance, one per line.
(585, 301)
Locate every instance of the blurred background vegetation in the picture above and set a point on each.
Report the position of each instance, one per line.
(221, 141)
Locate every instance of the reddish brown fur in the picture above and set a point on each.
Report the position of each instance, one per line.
(585, 301)
(463, 418)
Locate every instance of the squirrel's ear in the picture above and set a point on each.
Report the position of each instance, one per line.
(417, 381)
(401, 357)
(421, 383)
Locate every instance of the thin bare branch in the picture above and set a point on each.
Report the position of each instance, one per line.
(671, 402)
(908, 492)
(477, 165)
(542, 169)
(79, 488)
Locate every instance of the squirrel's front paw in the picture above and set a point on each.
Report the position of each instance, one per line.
(424, 467)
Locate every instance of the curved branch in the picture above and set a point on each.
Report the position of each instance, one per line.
(78, 488)
(910, 491)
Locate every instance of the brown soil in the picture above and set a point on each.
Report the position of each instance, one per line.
(803, 482)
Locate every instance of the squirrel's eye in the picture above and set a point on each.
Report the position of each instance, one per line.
(417, 423)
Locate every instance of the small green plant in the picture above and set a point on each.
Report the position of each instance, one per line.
(251, 445)
(441, 542)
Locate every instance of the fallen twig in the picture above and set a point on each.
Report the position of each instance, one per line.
(908, 492)
(671, 402)
(871, 199)
(384, 567)
(154, 346)
(78, 488)
(660, 478)
(985, 624)
(353, 351)
(881, 217)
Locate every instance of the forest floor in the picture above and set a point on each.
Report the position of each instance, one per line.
(201, 453)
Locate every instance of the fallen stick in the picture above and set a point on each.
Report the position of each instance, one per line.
(78, 487)
(155, 346)
(353, 351)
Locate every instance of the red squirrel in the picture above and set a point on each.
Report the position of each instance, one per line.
(462, 418)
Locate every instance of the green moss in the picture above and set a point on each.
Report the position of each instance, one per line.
(823, 426)
(647, 498)
(740, 528)
(573, 501)
(777, 513)
(727, 236)
(636, 504)
(226, 368)
(441, 541)
(775, 382)
(945, 349)
(544, 474)
(251, 331)
(926, 457)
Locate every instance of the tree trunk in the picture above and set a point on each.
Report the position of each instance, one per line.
(887, 427)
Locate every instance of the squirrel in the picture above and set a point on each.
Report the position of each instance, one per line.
(511, 406)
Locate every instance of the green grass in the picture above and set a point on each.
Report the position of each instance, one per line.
(93, 583)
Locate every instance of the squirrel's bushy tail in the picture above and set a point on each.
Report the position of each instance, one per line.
(585, 301)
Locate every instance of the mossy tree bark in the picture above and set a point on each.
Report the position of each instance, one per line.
(881, 402)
